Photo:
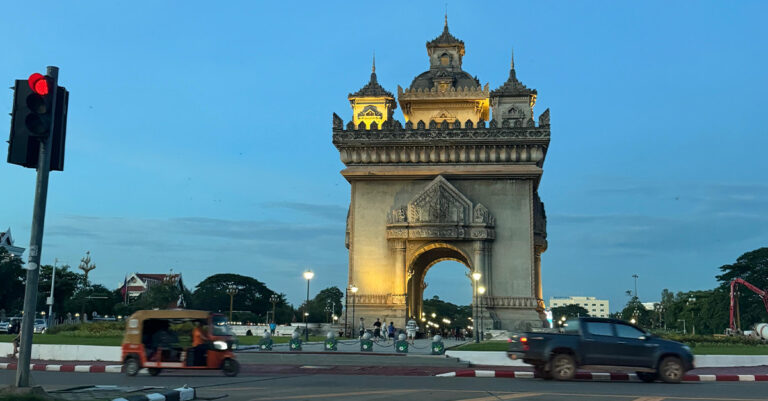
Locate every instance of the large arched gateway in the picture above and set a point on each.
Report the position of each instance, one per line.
(445, 186)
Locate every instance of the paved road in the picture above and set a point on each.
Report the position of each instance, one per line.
(368, 388)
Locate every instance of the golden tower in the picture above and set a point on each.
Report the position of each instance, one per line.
(372, 103)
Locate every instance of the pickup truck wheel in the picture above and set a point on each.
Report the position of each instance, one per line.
(563, 367)
(647, 377)
(671, 370)
(539, 371)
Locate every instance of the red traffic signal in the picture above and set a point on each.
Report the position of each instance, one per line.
(38, 83)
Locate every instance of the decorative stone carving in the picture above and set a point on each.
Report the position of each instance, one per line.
(482, 215)
(544, 119)
(409, 125)
(492, 124)
(361, 126)
(350, 126)
(432, 124)
(440, 211)
(420, 125)
(338, 123)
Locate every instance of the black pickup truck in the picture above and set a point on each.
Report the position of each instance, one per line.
(606, 344)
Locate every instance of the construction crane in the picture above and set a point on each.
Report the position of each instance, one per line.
(734, 301)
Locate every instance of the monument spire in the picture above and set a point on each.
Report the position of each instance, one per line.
(512, 64)
(373, 68)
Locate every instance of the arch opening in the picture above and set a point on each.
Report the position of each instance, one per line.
(423, 261)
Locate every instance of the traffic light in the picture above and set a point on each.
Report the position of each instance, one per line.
(31, 122)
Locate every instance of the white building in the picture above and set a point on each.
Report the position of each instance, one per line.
(595, 307)
(6, 241)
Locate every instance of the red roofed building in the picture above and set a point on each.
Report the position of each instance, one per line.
(137, 283)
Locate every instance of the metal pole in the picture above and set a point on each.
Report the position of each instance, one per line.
(354, 296)
(231, 305)
(50, 306)
(474, 312)
(346, 312)
(635, 276)
(36, 241)
(306, 308)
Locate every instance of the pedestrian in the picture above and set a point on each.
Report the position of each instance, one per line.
(272, 328)
(362, 327)
(410, 329)
(16, 341)
(377, 329)
(391, 330)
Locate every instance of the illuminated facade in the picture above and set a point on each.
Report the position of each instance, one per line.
(451, 183)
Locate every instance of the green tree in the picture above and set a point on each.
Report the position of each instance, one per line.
(11, 283)
(753, 268)
(329, 297)
(94, 298)
(66, 284)
(569, 311)
(459, 315)
(634, 310)
(252, 295)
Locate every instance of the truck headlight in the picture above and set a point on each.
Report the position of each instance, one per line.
(220, 345)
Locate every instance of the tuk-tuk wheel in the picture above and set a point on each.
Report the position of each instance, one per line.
(230, 367)
(154, 371)
(131, 366)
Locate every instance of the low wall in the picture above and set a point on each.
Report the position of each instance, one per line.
(59, 352)
(499, 358)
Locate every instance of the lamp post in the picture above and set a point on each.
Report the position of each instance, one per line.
(274, 299)
(354, 296)
(231, 291)
(476, 277)
(683, 320)
(308, 276)
(50, 300)
(635, 276)
(480, 291)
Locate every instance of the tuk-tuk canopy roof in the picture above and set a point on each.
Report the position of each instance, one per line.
(170, 314)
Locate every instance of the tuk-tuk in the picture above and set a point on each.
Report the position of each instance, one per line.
(163, 339)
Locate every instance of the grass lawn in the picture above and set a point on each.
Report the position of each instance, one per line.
(730, 349)
(483, 346)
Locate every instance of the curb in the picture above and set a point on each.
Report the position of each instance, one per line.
(179, 394)
(67, 368)
(601, 376)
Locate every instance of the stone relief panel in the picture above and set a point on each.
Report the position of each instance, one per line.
(440, 212)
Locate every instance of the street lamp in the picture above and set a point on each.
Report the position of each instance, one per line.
(475, 309)
(274, 298)
(635, 276)
(231, 291)
(354, 293)
(308, 276)
(480, 291)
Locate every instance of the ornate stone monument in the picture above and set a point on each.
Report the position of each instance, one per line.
(445, 186)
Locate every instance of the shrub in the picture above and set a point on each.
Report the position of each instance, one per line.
(694, 340)
(94, 329)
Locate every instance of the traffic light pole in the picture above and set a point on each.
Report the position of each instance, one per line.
(36, 244)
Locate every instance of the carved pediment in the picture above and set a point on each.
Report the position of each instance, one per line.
(440, 211)
(369, 111)
(440, 202)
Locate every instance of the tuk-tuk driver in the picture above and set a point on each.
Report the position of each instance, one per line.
(199, 344)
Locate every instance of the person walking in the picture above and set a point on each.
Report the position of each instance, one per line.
(362, 327)
(410, 329)
(391, 330)
(377, 329)
(16, 341)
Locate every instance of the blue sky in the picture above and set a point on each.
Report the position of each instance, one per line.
(199, 135)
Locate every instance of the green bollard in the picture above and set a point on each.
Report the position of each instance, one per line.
(366, 345)
(401, 345)
(266, 343)
(295, 343)
(438, 348)
(330, 342)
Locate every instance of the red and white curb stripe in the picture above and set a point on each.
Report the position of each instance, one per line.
(599, 376)
(67, 368)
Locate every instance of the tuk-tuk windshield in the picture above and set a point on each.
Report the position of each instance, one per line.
(221, 326)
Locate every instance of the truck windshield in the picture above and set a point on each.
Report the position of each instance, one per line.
(571, 326)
